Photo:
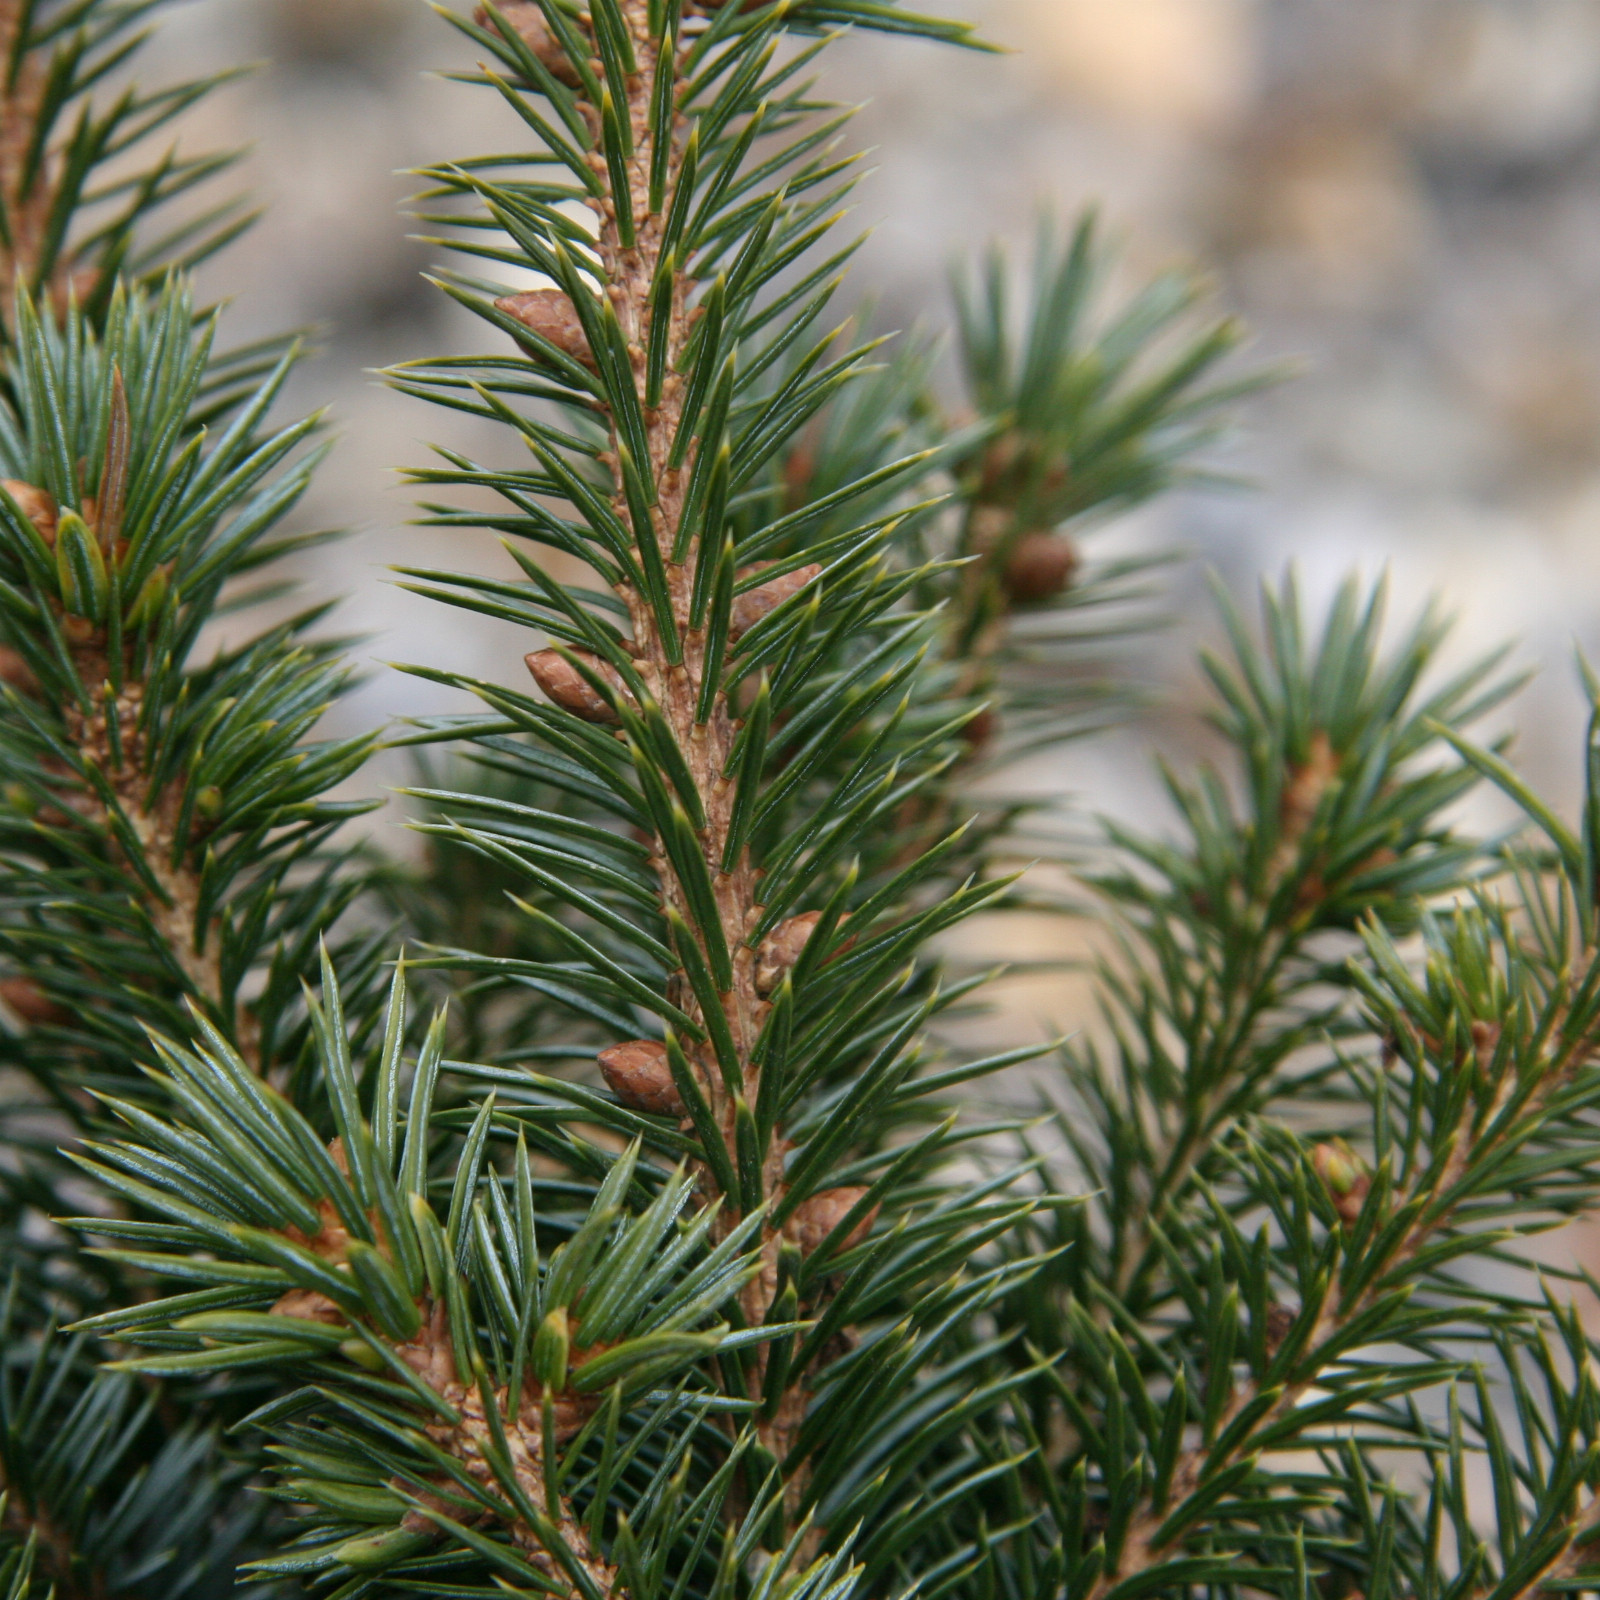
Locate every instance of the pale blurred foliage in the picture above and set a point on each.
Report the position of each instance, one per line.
(1403, 195)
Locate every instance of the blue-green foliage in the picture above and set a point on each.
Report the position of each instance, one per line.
(75, 211)
(158, 794)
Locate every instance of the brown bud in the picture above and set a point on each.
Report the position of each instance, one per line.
(15, 671)
(1344, 1176)
(751, 606)
(528, 21)
(548, 313)
(1485, 1041)
(814, 1219)
(781, 949)
(29, 1002)
(980, 731)
(308, 1306)
(1000, 461)
(35, 504)
(1039, 567)
(568, 687)
(639, 1076)
(1280, 1319)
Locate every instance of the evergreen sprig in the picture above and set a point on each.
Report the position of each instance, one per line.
(157, 805)
(164, 825)
(675, 1258)
(741, 707)
(1089, 412)
(117, 1502)
(463, 1375)
(79, 195)
(731, 821)
(1314, 1161)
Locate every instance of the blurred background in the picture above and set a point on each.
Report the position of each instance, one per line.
(1401, 195)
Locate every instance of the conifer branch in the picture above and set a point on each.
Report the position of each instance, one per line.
(61, 236)
(331, 1262)
(658, 356)
(1084, 412)
(1226, 945)
(670, 653)
(109, 743)
(163, 828)
(1226, 979)
(476, 1322)
(178, 798)
(676, 656)
(1484, 1135)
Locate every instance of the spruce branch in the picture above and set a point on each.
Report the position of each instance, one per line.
(750, 707)
(1314, 1280)
(164, 826)
(711, 806)
(1227, 977)
(486, 1368)
(1084, 413)
(164, 836)
(98, 1495)
(65, 235)
(174, 799)
(1342, 802)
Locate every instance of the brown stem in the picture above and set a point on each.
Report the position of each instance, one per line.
(471, 1438)
(174, 910)
(629, 271)
(105, 728)
(28, 180)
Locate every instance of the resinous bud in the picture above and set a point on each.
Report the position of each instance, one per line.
(527, 20)
(1344, 1175)
(15, 671)
(35, 504)
(551, 315)
(1040, 566)
(751, 606)
(639, 1075)
(26, 1000)
(567, 687)
(814, 1219)
(782, 948)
